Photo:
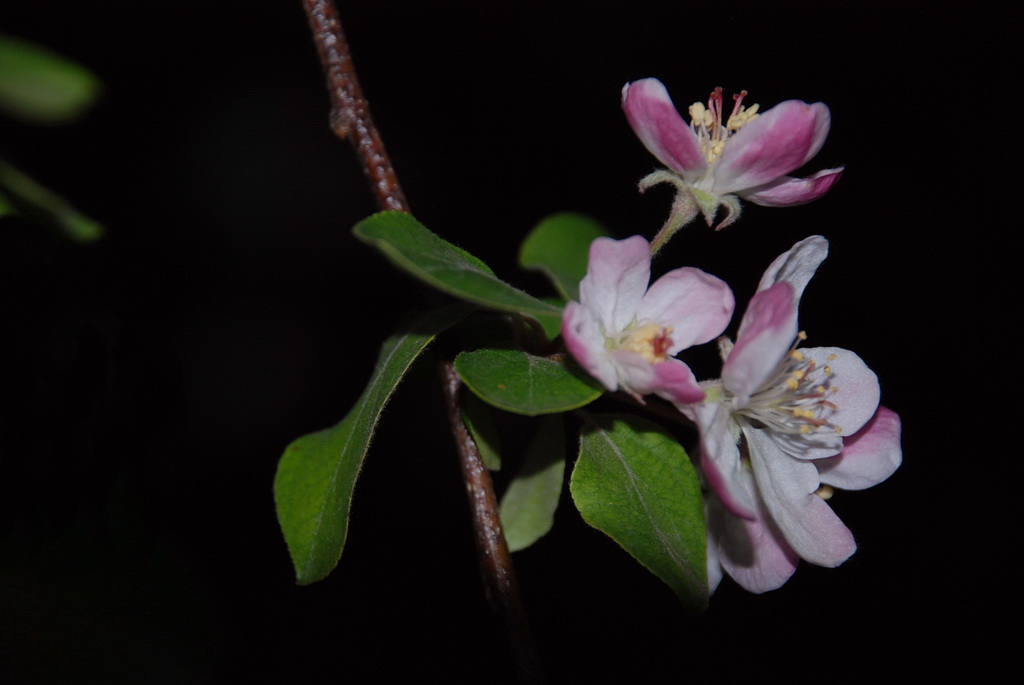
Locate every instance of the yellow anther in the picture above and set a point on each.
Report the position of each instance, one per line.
(827, 370)
(802, 335)
(798, 374)
(805, 429)
(697, 112)
(650, 341)
(825, 492)
(797, 355)
(833, 357)
(792, 383)
(820, 390)
(741, 118)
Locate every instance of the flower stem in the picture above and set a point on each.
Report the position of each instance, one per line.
(351, 119)
(684, 207)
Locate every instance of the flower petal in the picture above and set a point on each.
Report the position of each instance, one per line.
(695, 304)
(765, 336)
(720, 458)
(788, 191)
(671, 379)
(676, 382)
(855, 390)
(618, 272)
(796, 266)
(754, 553)
(772, 145)
(585, 342)
(659, 127)
(869, 456)
(787, 489)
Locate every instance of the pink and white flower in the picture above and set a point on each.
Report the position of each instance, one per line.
(626, 335)
(781, 427)
(747, 156)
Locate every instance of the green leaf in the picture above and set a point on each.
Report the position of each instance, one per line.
(522, 383)
(559, 246)
(479, 419)
(634, 482)
(410, 246)
(317, 473)
(23, 196)
(552, 324)
(41, 87)
(528, 505)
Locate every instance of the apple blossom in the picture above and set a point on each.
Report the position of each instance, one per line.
(626, 335)
(780, 428)
(712, 163)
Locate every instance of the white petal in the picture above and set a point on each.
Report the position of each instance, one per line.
(787, 487)
(584, 340)
(797, 265)
(618, 272)
(869, 456)
(720, 457)
(766, 333)
(695, 304)
(754, 553)
(856, 392)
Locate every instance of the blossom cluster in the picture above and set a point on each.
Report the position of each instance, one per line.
(784, 424)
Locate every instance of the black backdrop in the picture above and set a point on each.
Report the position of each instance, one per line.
(152, 380)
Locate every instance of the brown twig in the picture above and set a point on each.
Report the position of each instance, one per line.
(492, 551)
(350, 118)
(350, 112)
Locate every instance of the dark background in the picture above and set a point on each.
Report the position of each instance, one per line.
(152, 380)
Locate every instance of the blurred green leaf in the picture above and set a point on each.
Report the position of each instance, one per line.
(634, 482)
(410, 246)
(524, 384)
(6, 208)
(479, 419)
(551, 323)
(41, 87)
(559, 246)
(317, 473)
(20, 195)
(528, 505)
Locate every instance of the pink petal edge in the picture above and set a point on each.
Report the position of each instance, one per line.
(766, 333)
(787, 489)
(661, 129)
(618, 272)
(695, 304)
(772, 145)
(869, 456)
(789, 192)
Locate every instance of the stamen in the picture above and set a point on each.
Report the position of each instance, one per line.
(793, 399)
(699, 115)
(649, 340)
(740, 117)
